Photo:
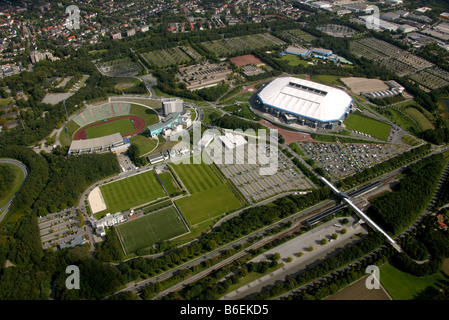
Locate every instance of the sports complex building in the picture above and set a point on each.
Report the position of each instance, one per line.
(110, 143)
(304, 102)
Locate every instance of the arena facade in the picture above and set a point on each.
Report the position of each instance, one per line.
(304, 102)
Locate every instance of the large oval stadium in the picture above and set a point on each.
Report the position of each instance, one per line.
(304, 102)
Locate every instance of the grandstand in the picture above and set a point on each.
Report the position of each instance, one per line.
(101, 112)
(110, 143)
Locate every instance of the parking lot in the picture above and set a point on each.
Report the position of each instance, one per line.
(340, 160)
(59, 227)
(251, 179)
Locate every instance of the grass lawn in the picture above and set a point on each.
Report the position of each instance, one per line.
(207, 112)
(369, 126)
(408, 139)
(145, 231)
(242, 111)
(209, 196)
(423, 123)
(294, 60)
(326, 80)
(403, 286)
(144, 144)
(124, 126)
(169, 182)
(294, 146)
(131, 192)
(19, 177)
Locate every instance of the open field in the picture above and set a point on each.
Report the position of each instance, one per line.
(358, 291)
(402, 120)
(408, 139)
(364, 85)
(423, 123)
(369, 126)
(4, 198)
(293, 60)
(131, 192)
(403, 286)
(144, 144)
(123, 125)
(145, 231)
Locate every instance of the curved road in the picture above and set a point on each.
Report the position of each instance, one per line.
(25, 174)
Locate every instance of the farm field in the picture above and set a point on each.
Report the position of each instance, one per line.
(209, 196)
(5, 197)
(131, 192)
(124, 126)
(369, 126)
(403, 286)
(145, 231)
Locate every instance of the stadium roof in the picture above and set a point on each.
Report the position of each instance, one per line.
(306, 99)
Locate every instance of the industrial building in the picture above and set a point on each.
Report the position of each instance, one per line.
(304, 102)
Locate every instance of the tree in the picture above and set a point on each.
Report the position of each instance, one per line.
(323, 241)
(311, 248)
(334, 236)
(275, 256)
(343, 231)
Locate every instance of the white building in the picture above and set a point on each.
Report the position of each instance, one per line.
(231, 141)
(172, 105)
(205, 140)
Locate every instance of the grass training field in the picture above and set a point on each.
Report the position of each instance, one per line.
(124, 126)
(170, 184)
(145, 231)
(404, 286)
(209, 196)
(372, 127)
(131, 192)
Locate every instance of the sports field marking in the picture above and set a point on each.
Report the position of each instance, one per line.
(145, 231)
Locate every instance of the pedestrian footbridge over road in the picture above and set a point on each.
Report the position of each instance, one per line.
(362, 215)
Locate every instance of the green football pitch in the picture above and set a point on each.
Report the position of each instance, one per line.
(209, 196)
(145, 231)
(124, 126)
(131, 192)
(369, 126)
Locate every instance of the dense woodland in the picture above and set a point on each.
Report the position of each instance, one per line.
(410, 196)
(7, 178)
